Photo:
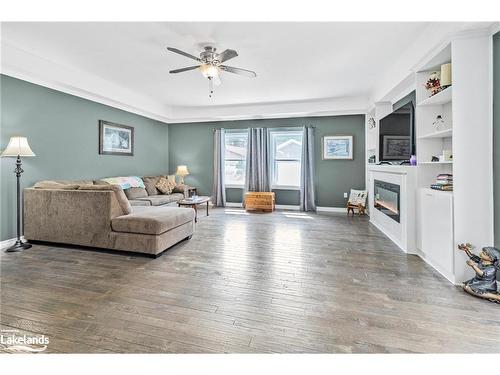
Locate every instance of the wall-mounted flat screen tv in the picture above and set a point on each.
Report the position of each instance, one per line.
(397, 135)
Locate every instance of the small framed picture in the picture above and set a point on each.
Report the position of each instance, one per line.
(338, 147)
(115, 139)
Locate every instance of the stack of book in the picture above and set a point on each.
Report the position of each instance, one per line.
(444, 181)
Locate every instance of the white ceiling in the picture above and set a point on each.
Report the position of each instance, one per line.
(294, 61)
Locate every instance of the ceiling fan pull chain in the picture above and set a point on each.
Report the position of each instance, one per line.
(210, 87)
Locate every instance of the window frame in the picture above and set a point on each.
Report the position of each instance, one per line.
(274, 160)
(232, 132)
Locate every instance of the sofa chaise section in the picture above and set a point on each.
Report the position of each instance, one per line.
(100, 216)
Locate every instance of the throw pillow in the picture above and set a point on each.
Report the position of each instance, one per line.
(165, 186)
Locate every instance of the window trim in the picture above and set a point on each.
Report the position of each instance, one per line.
(273, 159)
(240, 132)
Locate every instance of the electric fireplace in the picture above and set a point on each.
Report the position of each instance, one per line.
(386, 198)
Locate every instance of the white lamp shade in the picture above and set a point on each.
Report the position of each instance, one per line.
(182, 170)
(18, 146)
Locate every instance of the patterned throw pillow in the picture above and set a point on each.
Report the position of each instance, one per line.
(165, 186)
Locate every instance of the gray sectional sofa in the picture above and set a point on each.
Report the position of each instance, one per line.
(96, 214)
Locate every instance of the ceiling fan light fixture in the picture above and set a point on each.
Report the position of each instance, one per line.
(209, 70)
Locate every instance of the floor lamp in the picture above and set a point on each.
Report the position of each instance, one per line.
(17, 147)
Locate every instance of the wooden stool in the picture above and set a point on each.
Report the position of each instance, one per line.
(351, 207)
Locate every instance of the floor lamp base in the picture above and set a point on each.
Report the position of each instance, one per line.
(18, 246)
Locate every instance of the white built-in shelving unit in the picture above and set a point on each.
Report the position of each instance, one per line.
(447, 218)
(443, 219)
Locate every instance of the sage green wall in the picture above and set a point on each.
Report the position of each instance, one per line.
(192, 144)
(496, 131)
(63, 132)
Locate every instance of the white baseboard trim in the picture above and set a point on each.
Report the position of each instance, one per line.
(234, 204)
(293, 207)
(331, 209)
(7, 243)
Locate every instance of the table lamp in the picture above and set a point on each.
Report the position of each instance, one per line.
(182, 171)
(17, 147)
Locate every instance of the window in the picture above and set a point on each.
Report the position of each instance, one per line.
(286, 150)
(235, 158)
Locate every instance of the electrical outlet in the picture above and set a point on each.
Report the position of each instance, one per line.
(345, 195)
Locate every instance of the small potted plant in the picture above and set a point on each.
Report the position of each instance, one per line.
(433, 83)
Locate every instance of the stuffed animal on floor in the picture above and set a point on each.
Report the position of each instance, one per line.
(484, 284)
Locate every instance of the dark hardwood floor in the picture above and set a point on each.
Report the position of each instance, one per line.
(246, 283)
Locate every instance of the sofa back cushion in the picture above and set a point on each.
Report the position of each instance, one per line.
(150, 183)
(135, 192)
(56, 185)
(119, 194)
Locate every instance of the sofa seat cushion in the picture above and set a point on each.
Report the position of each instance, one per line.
(139, 202)
(152, 220)
(159, 200)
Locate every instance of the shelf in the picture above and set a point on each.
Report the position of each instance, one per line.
(440, 98)
(429, 190)
(434, 162)
(447, 133)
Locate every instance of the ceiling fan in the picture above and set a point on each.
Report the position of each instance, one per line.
(210, 65)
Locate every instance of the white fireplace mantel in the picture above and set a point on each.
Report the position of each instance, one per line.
(403, 233)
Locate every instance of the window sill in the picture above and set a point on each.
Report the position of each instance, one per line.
(282, 187)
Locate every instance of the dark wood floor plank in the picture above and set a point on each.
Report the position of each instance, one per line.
(285, 282)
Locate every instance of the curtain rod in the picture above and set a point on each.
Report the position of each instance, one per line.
(281, 127)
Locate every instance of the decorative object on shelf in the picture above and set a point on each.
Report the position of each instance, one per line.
(182, 171)
(413, 160)
(371, 123)
(435, 158)
(338, 147)
(446, 156)
(445, 78)
(433, 83)
(357, 201)
(396, 145)
(484, 284)
(115, 139)
(438, 123)
(372, 159)
(18, 147)
(444, 182)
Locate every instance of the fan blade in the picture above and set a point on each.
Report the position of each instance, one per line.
(184, 69)
(227, 54)
(242, 72)
(175, 50)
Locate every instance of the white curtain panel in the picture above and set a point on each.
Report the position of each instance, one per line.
(307, 196)
(219, 188)
(257, 176)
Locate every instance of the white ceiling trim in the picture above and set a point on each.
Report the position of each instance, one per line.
(24, 65)
(29, 67)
